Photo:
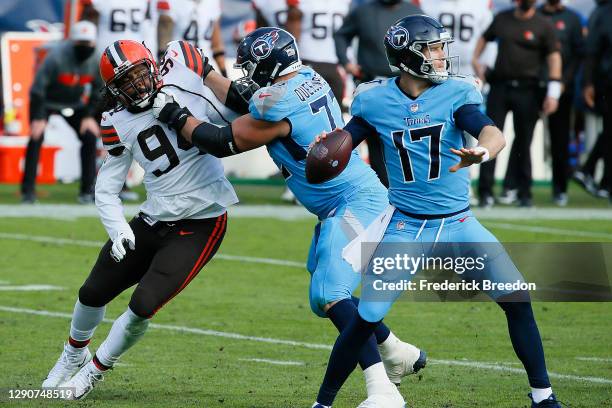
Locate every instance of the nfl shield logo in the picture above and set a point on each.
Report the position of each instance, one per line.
(401, 225)
(414, 107)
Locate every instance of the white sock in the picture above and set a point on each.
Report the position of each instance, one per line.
(126, 331)
(85, 319)
(540, 394)
(376, 379)
(387, 347)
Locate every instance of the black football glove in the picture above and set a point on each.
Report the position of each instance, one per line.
(168, 111)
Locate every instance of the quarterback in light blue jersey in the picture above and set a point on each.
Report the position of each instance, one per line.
(420, 118)
(286, 105)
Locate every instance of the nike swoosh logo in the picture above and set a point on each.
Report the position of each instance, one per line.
(463, 219)
(181, 232)
(263, 95)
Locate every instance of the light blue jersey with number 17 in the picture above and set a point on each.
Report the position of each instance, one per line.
(308, 104)
(417, 135)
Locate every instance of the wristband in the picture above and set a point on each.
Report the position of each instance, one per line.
(480, 149)
(218, 53)
(554, 89)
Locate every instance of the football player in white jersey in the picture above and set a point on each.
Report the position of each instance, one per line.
(466, 20)
(195, 21)
(313, 23)
(181, 224)
(270, 13)
(122, 20)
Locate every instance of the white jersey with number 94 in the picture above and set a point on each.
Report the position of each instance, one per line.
(181, 182)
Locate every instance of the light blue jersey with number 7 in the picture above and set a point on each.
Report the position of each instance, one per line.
(308, 104)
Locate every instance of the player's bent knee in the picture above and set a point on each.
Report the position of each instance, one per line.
(91, 296)
(144, 303)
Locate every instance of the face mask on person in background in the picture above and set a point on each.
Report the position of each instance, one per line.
(83, 51)
(526, 5)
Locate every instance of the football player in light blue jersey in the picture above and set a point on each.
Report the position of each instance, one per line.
(420, 118)
(286, 106)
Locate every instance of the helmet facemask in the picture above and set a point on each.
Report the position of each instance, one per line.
(136, 90)
(245, 85)
(428, 68)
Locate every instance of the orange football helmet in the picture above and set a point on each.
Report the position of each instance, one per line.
(130, 73)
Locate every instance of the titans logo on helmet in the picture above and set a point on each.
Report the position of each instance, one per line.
(398, 37)
(262, 47)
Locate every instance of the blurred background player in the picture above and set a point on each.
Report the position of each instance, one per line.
(466, 20)
(313, 23)
(368, 23)
(568, 27)
(292, 105)
(122, 20)
(270, 13)
(66, 84)
(598, 80)
(195, 21)
(179, 227)
(585, 173)
(527, 44)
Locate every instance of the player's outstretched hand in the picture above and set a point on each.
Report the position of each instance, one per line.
(168, 111)
(124, 239)
(468, 157)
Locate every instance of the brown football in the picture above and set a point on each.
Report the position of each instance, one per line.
(329, 157)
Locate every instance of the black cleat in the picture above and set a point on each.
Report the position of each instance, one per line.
(550, 402)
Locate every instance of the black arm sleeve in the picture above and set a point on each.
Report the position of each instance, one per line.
(359, 129)
(238, 97)
(469, 118)
(218, 141)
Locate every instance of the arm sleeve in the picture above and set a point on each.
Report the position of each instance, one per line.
(111, 178)
(359, 129)
(38, 91)
(470, 119)
(344, 36)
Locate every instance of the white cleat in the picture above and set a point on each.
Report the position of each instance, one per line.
(83, 382)
(70, 361)
(401, 359)
(390, 399)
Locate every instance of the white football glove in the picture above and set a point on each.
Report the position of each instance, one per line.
(118, 250)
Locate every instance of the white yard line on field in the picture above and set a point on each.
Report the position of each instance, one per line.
(596, 359)
(269, 340)
(548, 230)
(274, 362)
(287, 212)
(99, 244)
(28, 288)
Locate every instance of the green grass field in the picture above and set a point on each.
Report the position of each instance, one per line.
(193, 358)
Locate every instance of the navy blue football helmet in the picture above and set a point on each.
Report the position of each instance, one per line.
(266, 54)
(408, 38)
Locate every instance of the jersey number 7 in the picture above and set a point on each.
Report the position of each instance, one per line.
(434, 134)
